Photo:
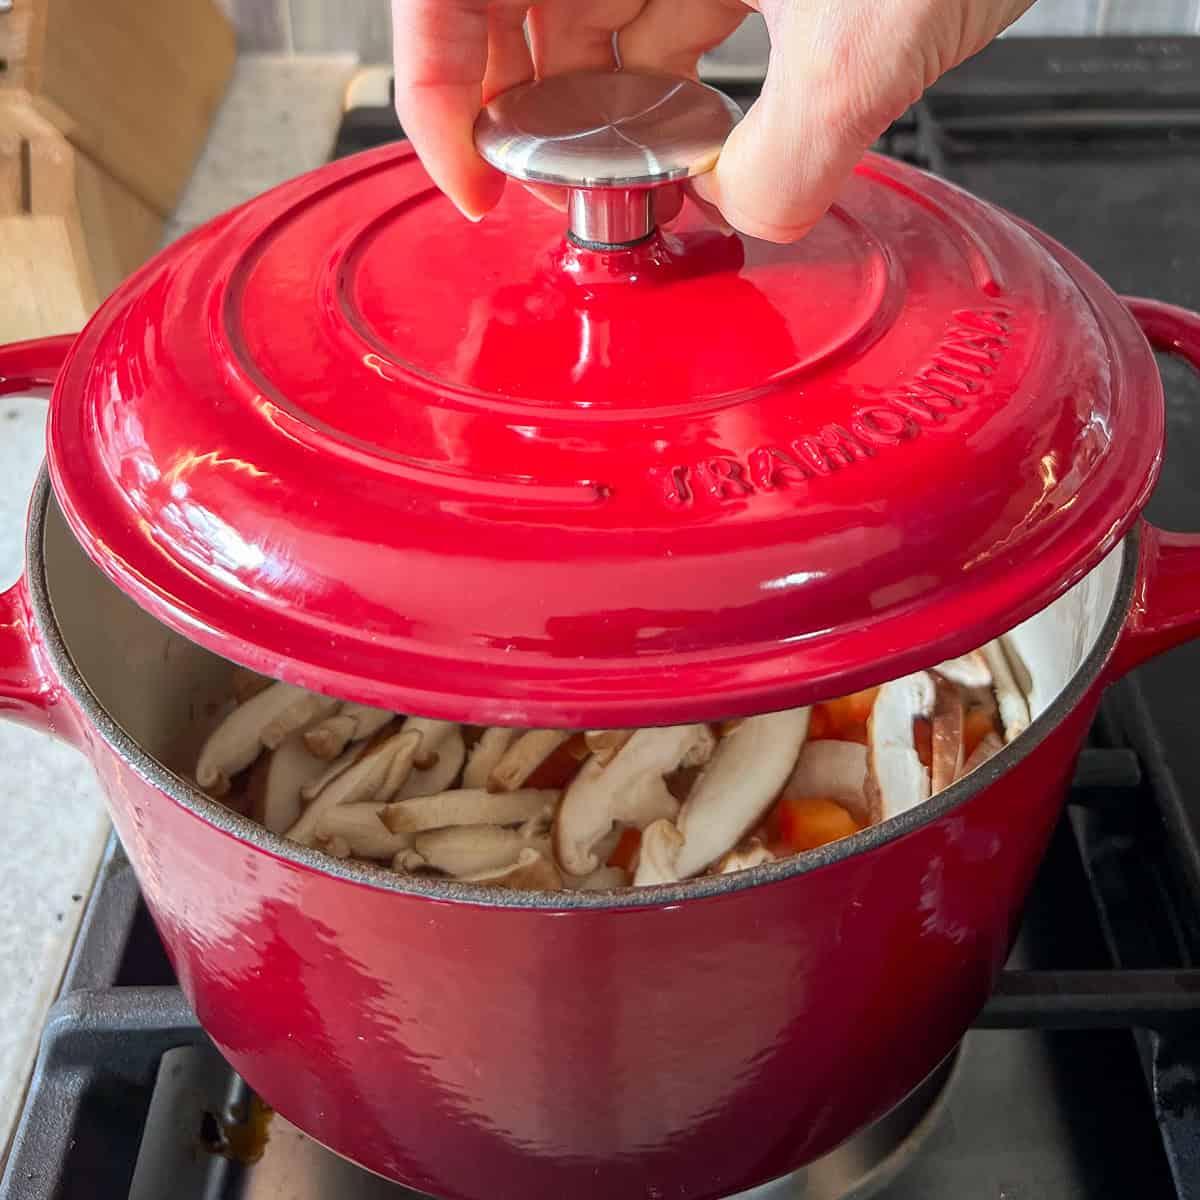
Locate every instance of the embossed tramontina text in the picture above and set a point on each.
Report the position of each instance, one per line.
(966, 355)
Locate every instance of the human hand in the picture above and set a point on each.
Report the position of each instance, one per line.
(840, 72)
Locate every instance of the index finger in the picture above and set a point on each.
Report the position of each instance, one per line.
(440, 49)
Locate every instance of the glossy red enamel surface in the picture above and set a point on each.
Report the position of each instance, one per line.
(29, 693)
(346, 437)
(26, 694)
(1166, 605)
(30, 368)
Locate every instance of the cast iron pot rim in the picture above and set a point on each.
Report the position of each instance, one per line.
(213, 813)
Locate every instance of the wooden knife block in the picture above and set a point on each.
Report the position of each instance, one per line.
(69, 232)
(104, 107)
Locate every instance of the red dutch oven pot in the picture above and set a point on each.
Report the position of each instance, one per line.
(628, 477)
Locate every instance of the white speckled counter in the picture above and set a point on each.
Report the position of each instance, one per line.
(279, 119)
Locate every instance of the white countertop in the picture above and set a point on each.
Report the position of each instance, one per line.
(278, 119)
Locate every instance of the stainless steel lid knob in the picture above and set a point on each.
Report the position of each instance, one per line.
(611, 137)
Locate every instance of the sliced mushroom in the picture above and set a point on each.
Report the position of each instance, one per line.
(351, 723)
(469, 849)
(433, 733)
(833, 769)
(308, 708)
(1020, 670)
(328, 738)
(277, 781)
(485, 754)
(238, 740)
(538, 826)
(377, 774)
(946, 736)
(441, 774)
(524, 757)
(659, 854)
(358, 750)
(629, 789)
(1014, 710)
(346, 760)
(983, 698)
(748, 771)
(247, 684)
(359, 826)
(531, 872)
(681, 782)
(605, 743)
(742, 858)
(466, 849)
(969, 670)
(608, 843)
(604, 879)
(896, 778)
(465, 806)
(989, 746)
(407, 861)
(339, 766)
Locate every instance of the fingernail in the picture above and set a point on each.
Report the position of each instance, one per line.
(476, 202)
(473, 217)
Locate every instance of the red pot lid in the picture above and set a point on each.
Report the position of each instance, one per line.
(485, 473)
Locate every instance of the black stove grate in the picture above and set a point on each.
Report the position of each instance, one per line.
(1099, 143)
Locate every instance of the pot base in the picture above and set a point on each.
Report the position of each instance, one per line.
(863, 1166)
(196, 1091)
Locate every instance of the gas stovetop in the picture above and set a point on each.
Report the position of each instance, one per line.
(1081, 1080)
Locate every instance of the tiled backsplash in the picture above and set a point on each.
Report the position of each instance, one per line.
(363, 27)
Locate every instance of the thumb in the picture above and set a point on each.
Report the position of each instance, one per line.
(840, 72)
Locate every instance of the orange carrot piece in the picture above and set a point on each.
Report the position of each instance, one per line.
(560, 767)
(807, 822)
(976, 727)
(923, 740)
(847, 715)
(820, 724)
(847, 712)
(859, 704)
(854, 733)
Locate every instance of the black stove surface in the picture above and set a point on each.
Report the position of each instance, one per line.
(1081, 1080)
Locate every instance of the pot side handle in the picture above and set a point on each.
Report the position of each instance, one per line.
(1166, 601)
(28, 690)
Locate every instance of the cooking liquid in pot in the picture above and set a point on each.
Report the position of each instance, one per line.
(601, 809)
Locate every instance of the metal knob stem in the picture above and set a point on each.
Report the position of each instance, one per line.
(611, 137)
